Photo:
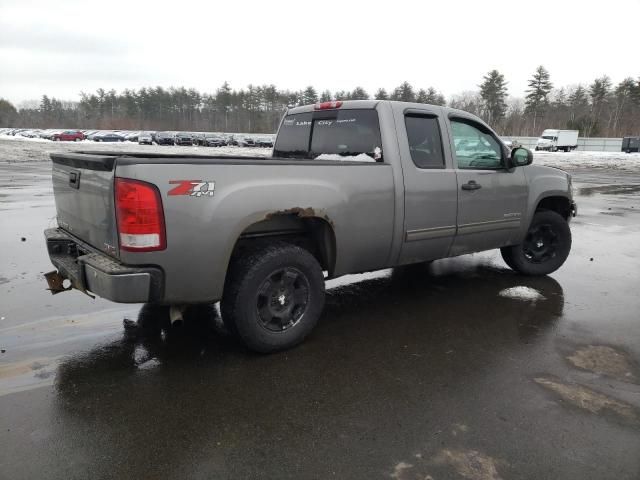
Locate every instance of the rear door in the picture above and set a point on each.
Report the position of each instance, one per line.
(83, 191)
(492, 199)
(430, 200)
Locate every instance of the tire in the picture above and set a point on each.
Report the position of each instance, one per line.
(273, 297)
(545, 247)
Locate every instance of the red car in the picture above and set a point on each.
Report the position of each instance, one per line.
(68, 136)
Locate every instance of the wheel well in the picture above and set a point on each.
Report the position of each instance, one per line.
(314, 234)
(560, 205)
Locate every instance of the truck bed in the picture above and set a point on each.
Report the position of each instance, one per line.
(356, 199)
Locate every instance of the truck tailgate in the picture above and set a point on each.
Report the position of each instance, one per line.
(83, 190)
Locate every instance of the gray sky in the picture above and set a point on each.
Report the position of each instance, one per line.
(61, 48)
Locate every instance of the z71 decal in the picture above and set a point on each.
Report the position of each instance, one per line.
(193, 188)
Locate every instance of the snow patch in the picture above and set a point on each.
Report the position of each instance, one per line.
(525, 294)
(362, 157)
(629, 162)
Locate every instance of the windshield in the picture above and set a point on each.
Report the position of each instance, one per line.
(330, 135)
(548, 137)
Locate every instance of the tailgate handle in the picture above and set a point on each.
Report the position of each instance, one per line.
(74, 179)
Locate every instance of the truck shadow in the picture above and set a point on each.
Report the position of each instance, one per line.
(423, 297)
(431, 295)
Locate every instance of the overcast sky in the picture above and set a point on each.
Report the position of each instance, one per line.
(62, 47)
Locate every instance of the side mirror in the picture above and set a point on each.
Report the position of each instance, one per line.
(521, 157)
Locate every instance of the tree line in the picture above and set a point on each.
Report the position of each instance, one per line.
(596, 109)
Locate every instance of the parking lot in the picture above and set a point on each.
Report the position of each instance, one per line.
(458, 369)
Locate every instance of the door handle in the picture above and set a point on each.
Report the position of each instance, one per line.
(471, 185)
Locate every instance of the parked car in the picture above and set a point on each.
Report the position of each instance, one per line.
(631, 144)
(108, 137)
(30, 133)
(247, 142)
(165, 138)
(264, 142)
(184, 138)
(145, 138)
(258, 235)
(16, 131)
(132, 136)
(97, 133)
(198, 138)
(234, 140)
(214, 141)
(68, 136)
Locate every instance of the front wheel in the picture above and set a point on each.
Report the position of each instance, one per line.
(545, 247)
(273, 297)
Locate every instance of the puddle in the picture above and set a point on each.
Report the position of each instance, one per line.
(604, 360)
(589, 400)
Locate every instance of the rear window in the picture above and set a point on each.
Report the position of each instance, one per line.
(330, 135)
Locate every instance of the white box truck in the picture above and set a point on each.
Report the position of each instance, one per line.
(554, 140)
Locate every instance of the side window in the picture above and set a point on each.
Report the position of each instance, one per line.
(475, 147)
(425, 142)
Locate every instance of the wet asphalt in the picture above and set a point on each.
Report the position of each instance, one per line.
(458, 369)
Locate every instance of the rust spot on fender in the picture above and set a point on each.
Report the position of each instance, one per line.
(298, 211)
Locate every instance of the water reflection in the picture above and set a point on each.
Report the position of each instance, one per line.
(423, 298)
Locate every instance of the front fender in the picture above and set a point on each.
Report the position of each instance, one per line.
(545, 182)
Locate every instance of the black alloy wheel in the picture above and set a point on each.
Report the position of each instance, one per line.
(282, 299)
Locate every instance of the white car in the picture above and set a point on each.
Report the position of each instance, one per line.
(145, 138)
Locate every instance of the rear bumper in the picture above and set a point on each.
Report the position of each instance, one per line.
(89, 270)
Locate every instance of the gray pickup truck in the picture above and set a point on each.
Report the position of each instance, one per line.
(351, 187)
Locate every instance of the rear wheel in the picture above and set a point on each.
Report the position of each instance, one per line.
(273, 297)
(545, 247)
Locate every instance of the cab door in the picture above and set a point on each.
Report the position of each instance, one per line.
(492, 197)
(430, 188)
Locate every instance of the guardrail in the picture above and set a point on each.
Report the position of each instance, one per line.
(584, 144)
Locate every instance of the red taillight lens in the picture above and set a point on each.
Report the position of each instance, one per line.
(139, 215)
(328, 105)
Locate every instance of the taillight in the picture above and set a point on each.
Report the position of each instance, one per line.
(139, 216)
(328, 105)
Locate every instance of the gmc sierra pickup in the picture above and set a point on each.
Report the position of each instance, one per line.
(351, 187)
